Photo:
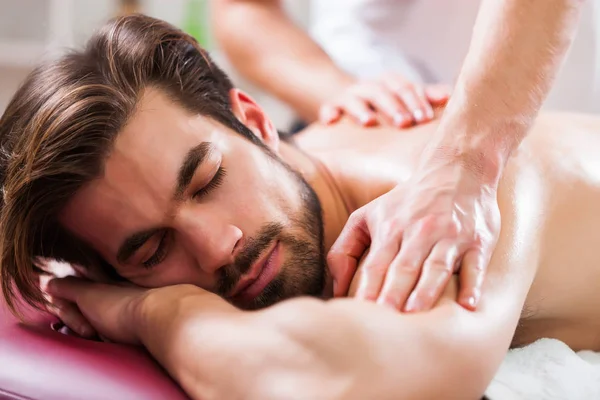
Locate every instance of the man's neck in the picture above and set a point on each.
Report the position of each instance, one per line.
(333, 203)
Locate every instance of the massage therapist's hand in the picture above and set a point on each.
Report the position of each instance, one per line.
(110, 310)
(419, 235)
(390, 99)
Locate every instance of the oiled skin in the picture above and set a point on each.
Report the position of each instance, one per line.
(549, 195)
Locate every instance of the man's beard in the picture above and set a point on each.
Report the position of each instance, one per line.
(303, 272)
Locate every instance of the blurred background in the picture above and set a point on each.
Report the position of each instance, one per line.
(31, 30)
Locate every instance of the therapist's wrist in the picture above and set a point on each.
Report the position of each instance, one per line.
(330, 85)
(479, 149)
(315, 87)
(479, 141)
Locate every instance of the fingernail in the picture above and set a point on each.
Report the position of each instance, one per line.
(472, 301)
(387, 302)
(435, 94)
(84, 331)
(50, 284)
(441, 94)
(399, 120)
(418, 115)
(412, 304)
(364, 119)
(44, 279)
(326, 119)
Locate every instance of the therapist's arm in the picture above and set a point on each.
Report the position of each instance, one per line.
(447, 215)
(516, 52)
(270, 50)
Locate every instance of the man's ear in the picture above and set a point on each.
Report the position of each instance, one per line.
(255, 119)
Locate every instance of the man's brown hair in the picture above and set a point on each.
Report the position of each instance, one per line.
(60, 125)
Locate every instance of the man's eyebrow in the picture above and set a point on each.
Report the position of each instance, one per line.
(193, 159)
(133, 243)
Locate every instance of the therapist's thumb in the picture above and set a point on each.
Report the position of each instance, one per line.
(347, 250)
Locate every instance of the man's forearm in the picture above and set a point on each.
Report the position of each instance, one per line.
(271, 51)
(170, 320)
(516, 52)
(330, 350)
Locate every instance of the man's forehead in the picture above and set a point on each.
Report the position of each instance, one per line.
(158, 121)
(139, 175)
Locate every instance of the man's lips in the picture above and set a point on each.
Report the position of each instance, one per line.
(259, 276)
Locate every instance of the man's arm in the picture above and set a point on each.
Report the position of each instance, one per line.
(270, 50)
(343, 348)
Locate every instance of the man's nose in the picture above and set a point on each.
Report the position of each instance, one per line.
(210, 239)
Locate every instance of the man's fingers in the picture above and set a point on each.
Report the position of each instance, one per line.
(70, 315)
(405, 270)
(436, 273)
(347, 250)
(68, 288)
(472, 273)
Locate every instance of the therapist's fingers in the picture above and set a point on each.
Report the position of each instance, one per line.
(405, 270)
(388, 105)
(413, 97)
(359, 110)
(472, 274)
(329, 114)
(344, 255)
(435, 275)
(438, 94)
(375, 268)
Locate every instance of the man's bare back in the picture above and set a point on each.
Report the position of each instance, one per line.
(548, 198)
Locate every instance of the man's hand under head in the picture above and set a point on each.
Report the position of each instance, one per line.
(88, 307)
(390, 99)
(329, 350)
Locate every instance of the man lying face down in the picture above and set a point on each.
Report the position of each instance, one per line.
(138, 157)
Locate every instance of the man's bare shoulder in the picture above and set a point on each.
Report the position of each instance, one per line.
(347, 135)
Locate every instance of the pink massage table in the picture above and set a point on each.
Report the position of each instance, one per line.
(40, 363)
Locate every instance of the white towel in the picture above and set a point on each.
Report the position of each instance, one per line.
(547, 370)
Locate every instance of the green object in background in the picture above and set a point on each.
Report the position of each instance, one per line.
(195, 21)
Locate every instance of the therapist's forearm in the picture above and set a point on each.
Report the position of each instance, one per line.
(268, 49)
(515, 54)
